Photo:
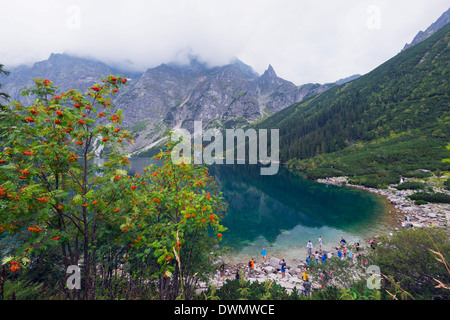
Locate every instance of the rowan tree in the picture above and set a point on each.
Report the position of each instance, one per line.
(175, 224)
(57, 199)
(52, 193)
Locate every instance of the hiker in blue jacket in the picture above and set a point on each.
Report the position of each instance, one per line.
(283, 267)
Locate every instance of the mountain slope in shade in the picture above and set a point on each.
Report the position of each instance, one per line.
(391, 121)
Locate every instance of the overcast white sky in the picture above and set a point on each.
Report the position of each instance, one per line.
(304, 40)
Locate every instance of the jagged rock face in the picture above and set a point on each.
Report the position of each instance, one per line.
(443, 20)
(173, 95)
(175, 92)
(156, 92)
(228, 97)
(220, 93)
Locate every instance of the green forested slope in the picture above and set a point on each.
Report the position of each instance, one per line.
(389, 122)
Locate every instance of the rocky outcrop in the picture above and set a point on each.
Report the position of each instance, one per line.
(443, 20)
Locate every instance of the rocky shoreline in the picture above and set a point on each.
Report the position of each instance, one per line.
(266, 270)
(436, 214)
(426, 215)
(270, 270)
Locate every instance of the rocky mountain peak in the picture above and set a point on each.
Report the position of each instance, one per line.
(245, 69)
(270, 72)
(173, 94)
(441, 22)
(270, 82)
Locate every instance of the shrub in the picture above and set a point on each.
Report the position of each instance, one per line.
(238, 289)
(328, 293)
(411, 186)
(374, 181)
(320, 173)
(437, 197)
(417, 174)
(408, 259)
(447, 184)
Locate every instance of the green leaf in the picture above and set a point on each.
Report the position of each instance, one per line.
(89, 194)
(6, 259)
(168, 273)
(25, 260)
(77, 199)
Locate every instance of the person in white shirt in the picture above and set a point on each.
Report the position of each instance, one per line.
(309, 245)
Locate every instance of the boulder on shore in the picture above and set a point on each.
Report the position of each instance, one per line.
(269, 269)
(275, 263)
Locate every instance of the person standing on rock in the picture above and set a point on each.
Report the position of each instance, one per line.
(251, 267)
(264, 254)
(283, 268)
(305, 276)
(320, 243)
(309, 246)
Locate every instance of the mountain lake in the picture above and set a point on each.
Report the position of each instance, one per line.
(282, 212)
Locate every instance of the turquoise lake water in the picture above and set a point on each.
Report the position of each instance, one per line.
(282, 212)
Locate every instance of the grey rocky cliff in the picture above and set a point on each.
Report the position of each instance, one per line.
(441, 22)
(172, 95)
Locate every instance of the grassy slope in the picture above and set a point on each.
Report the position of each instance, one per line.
(389, 122)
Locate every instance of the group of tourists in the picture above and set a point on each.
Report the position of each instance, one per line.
(343, 252)
(306, 289)
(321, 256)
(407, 223)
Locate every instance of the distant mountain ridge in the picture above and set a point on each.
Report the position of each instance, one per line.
(173, 95)
(66, 71)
